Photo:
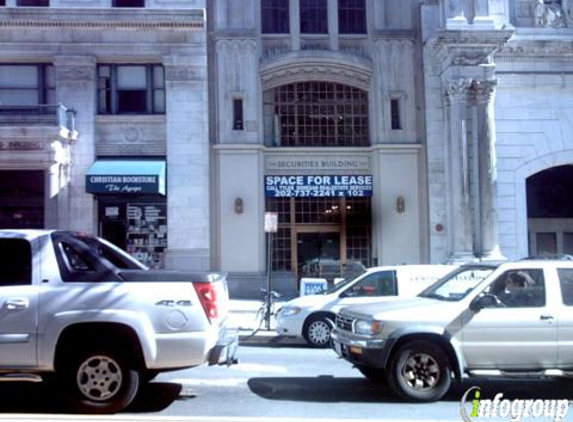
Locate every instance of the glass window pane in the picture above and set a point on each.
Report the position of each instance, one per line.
(568, 243)
(19, 76)
(275, 16)
(566, 281)
(158, 77)
(18, 97)
(313, 17)
(16, 262)
(351, 17)
(131, 101)
(159, 101)
(50, 76)
(131, 77)
(546, 243)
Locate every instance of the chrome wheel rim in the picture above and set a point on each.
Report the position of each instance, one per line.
(421, 372)
(99, 378)
(319, 332)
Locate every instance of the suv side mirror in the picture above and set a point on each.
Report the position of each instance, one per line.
(485, 300)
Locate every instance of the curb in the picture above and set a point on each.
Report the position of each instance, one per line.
(264, 337)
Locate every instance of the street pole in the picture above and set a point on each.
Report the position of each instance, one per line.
(268, 292)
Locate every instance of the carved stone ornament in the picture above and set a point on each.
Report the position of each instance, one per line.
(484, 90)
(472, 59)
(552, 13)
(457, 90)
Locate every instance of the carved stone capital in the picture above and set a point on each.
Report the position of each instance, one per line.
(457, 91)
(484, 90)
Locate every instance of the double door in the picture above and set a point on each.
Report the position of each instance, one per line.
(320, 252)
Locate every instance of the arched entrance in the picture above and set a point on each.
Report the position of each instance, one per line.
(550, 211)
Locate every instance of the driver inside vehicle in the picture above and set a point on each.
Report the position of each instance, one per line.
(515, 293)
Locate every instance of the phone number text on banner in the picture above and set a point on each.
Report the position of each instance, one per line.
(318, 186)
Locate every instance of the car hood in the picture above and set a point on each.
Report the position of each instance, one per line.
(414, 309)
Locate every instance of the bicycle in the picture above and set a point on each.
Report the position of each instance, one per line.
(266, 311)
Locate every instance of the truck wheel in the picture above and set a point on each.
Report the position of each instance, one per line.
(373, 374)
(419, 371)
(100, 381)
(317, 330)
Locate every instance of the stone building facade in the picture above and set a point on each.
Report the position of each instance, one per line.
(374, 131)
(103, 123)
(468, 125)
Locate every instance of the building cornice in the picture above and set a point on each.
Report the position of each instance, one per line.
(467, 47)
(102, 19)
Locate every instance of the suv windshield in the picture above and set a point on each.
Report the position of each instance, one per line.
(458, 284)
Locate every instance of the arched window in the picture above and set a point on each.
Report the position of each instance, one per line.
(316, 114)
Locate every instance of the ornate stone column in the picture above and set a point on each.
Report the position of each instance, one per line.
(455, 13)
(487, 169)
(460, 228)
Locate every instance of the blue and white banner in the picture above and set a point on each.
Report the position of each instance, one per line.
(318, 186)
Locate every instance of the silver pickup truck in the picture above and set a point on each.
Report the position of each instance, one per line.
(512, 319)
(76, 309)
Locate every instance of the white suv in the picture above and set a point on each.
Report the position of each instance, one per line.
(312, 317)
(514, 319)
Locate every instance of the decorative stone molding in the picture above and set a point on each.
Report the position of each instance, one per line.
(467, 47)
(534, 51)
(457, 91)
(102, 19)
(335, 67)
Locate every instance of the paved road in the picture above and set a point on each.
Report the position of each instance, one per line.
(273, 383)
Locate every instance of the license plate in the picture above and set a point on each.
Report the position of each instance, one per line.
(356, 350)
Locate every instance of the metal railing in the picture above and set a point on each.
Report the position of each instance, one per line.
(38, 115)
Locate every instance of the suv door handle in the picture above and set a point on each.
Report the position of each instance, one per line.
(17, 304)
(546, 317)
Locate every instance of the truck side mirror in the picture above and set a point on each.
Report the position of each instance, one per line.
(485, 300)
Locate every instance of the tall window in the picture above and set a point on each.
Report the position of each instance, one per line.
(27, 85)
(351, 17)
(313, 17)
(275, 17)
(131, 89)
(315, 113)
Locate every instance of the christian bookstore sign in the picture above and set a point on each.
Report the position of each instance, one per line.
(122, 184)
(318, 186)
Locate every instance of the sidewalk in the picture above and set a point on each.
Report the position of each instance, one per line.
(243, 317)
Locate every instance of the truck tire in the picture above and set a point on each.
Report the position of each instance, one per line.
(99, 380)
(419, 371)
(316, 331)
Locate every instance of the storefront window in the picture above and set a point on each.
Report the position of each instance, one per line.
(139, 226)
(321, 237)
(316, 114)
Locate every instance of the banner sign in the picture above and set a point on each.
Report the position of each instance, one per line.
(318, 186)
(122, 184)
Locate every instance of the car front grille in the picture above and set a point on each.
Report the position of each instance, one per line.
(344, 322)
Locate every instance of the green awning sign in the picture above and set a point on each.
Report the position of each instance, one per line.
(126, 177)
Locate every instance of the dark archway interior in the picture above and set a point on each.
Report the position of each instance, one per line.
(550, 193)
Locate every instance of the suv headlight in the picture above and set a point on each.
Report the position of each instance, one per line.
(368, 327)
(290, 311)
